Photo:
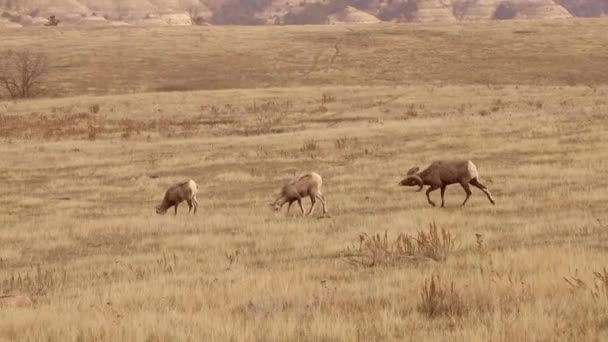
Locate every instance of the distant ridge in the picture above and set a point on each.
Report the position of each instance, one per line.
(17, 13)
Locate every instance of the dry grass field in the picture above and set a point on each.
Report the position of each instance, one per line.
(81, 171)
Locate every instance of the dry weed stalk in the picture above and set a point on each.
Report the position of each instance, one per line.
(440, 300)
(38, 284)
(166, 265)
(377, 249)
(599, 289)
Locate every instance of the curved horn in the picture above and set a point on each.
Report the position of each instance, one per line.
(418, 181)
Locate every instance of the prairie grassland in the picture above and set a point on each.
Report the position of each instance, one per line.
(143, 59)
(80, 177)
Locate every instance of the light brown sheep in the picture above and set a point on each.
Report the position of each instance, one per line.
(178, 193)
(305, 185)
(442, 173)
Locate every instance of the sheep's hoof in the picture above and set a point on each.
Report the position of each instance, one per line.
(432, 204)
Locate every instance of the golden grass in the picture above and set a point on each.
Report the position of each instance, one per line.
(129, 60)
(80, 236)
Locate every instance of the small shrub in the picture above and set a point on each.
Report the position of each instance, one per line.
(39, 283)
(437, 299)
(310, 145)
(94, 108)
(327, 98)
(343, 142)
(166, 265)
(376, 250)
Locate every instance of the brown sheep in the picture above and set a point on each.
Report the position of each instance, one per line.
(306, 185)
(442, 173)
(178, 193)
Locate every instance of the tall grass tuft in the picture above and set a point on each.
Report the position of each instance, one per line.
(375, 250)
(438, 299)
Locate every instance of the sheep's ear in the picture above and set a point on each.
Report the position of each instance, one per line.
(413, 170)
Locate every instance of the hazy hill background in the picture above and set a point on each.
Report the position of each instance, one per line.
(18, 13)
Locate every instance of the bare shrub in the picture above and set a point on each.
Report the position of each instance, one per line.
(310, 146)
(327, 98)
(94, 108)
(194, 10)
(52, 21)
(166, 265)
(343, 142)
(39, 283)
(23, 72)
(438, 299)
(435, 244)
(378, 250)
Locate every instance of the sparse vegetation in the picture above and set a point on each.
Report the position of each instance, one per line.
(78, 200)
(377, 250)
(439, 299)
(23, 72)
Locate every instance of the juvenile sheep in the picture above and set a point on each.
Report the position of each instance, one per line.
(442, 173)
(178, 193)
(302, 186)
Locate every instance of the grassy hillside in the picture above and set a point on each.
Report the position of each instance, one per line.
(80, 176)
(131, 60)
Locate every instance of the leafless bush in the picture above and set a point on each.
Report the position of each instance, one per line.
(437, 299)
(343, 142)
(39, 283)
(23, 72)
(378, 250)
(53, 21)
(194, 11)
(310, 146)
(94, 108)
(167, 265)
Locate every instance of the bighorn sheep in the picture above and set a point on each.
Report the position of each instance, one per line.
(178, 193)
(305, 185)
(442, 173)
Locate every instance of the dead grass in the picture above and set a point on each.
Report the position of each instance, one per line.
(377, 250)
(79, 187)
(186, 58)
(439, 299)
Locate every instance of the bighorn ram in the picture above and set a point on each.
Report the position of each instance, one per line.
(178, 193)
(302, 186)
(442, 173)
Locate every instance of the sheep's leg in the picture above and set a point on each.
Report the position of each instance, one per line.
(442, 195)
(301, 206)
(321, 197)
(189, 206)
(175, 206)
(195, 201)
(432, 188)
(289, 206)
(467, 189)
(483, 188)
(313, 202)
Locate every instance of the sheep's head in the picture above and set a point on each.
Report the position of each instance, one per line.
(274, 206)
(412, 179)
(160, 210)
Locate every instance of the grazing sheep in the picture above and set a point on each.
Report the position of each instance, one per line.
(302, 186)
(178, 193)
(442, 173)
